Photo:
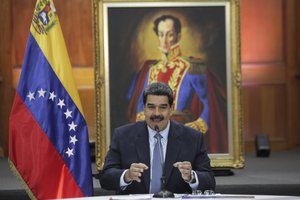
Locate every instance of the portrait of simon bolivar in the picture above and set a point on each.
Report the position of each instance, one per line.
(184, 47)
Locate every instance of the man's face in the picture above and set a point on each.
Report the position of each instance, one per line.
(157, 111)
(167, 35)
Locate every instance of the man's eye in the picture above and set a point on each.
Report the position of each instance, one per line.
(151, 107)
(160, 35)
(163, 107)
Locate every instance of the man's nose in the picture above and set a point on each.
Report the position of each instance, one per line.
(157, 111)
(164, 39)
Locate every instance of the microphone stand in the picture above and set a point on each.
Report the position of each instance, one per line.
(163, 193)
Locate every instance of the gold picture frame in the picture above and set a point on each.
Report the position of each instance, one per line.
(120, 28)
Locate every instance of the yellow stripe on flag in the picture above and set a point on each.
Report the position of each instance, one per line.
(52, 44)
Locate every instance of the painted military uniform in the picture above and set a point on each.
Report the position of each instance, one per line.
(188, 80)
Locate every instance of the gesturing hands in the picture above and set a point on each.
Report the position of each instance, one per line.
(135, 172)
(136, 169)
(185, 169)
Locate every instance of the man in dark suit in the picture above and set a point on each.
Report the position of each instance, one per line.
(129, 163)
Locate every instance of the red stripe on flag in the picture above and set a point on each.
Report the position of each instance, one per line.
(36, 159)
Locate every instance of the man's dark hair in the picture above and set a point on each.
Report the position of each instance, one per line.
(177, 24)
(158, 89)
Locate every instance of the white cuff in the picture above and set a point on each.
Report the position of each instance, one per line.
(194, 181)
(123, 184)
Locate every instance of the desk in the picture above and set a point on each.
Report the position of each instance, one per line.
(180, 196)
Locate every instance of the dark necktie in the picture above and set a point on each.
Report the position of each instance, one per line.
(157, 165)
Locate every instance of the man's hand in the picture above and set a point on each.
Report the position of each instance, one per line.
(185, 169)
(135, 172)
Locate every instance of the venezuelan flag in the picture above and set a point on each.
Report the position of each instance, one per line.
(48, 136)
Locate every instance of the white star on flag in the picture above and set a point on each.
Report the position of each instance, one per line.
(69, 152)
(73, 139)
(42, 92)
(61, 103)
(68, 113)
(30, 95)
(72, 126)
(52, 96)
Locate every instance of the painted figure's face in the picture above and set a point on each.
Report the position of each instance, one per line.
(167, 35)
(157, 111)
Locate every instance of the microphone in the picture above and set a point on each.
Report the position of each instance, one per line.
(163, 193)
(156, 128)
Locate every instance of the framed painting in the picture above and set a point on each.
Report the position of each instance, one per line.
(128, 45)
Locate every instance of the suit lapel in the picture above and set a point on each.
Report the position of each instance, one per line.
(143, 150)
(173, 148)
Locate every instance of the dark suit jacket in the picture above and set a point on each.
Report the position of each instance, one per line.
(130, 144)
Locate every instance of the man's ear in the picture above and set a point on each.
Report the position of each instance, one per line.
(172, 108)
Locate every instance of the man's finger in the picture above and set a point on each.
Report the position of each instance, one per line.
(177, 164)
(184, 164)
(136, 170)
(140, 165)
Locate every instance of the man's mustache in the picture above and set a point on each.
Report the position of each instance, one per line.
(157, 117)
